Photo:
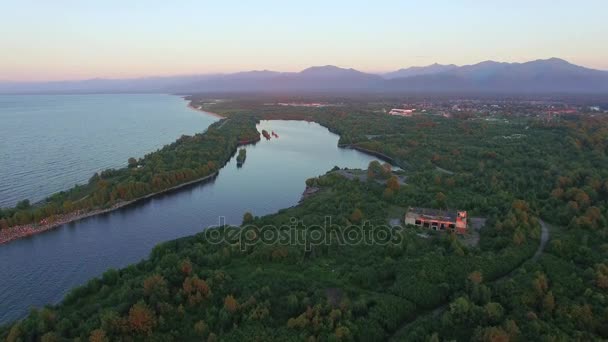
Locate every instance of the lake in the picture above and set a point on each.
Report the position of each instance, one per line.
(41, 269)
(49, 143)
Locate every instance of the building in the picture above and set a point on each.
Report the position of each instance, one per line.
(401, 112)
(450, 220)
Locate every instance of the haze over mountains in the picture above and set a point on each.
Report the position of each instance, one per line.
(540, 76)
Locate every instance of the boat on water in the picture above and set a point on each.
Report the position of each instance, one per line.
(274, 134)
(265, 134)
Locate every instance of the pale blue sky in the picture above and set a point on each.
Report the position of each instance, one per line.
(74, 39)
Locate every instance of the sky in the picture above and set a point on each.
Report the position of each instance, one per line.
(80, 39)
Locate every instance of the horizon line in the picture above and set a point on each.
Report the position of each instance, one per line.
(195, 74)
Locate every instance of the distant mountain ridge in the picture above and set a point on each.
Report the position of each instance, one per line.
(539, 76)
(417, 71)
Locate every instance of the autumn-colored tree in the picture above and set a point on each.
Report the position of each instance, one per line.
(141, 319)
(557, 193)
(540, 284)
(342, 333)
(475, 277)
(230, 304)
(393, 183)
(155, 285)
(387, 169)
(247, 218)
(186, 267)
(519, 237)
(512, 329)
(520, 205)
(583, 316)
(437, 180)
(494, 334)
(374, 169)
(195, 285)
(450, 182)
(98, 335)
(356, 216)
(388, 194)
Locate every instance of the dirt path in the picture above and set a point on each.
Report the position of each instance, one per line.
(544, 238)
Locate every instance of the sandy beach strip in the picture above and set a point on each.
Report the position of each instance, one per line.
(204, 111)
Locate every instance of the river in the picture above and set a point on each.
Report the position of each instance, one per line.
(41, 269)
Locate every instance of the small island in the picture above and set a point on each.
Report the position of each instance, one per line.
(240, 158)
(266, 134)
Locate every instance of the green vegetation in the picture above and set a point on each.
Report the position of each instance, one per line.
(240, 158)
(187, 159)
(420, 288)
(192, 289)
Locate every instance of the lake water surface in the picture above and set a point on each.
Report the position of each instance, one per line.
(41, 269)
(49, 143)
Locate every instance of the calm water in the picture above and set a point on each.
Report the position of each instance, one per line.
(41, 269)
(49, 143)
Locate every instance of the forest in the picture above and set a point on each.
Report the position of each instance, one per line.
(427, 286)
(193, 289)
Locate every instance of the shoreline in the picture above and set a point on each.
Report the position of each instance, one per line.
(23, 231)
(203, 111)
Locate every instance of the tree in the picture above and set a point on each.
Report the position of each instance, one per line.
(186, 267)
(230, 304)
(356, 216)
(141, 319)
(247, 218)
(493, 334)
(201, 328)
(549, 303)
(393, 183)
(441, 198)
(388, 194)
(373, 169)
(23, 205)
(475, 277)
(155, 286)
(132, 162)
(494, 312)
(98, 335)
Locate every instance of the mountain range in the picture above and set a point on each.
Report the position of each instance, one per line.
(552, 75)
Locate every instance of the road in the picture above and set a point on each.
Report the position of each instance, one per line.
(544, 238)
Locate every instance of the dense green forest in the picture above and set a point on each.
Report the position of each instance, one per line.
(187, 159)
(423, 285)
(192, 289)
